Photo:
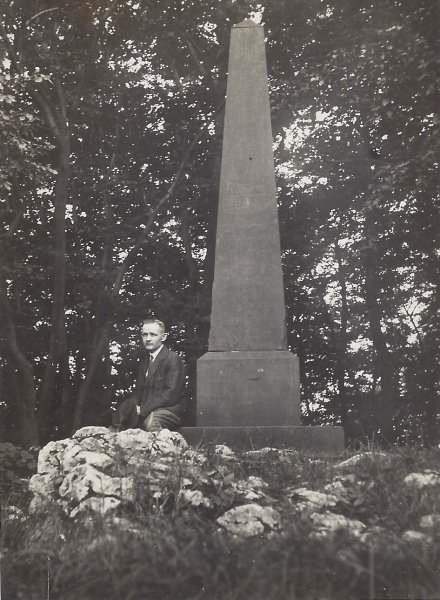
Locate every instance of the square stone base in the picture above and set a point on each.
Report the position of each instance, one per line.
(248, 388)
(312, 441)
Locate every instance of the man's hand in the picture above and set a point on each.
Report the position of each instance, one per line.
(138, 409)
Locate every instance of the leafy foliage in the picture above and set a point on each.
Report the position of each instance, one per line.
(17, 466)
(112, 117)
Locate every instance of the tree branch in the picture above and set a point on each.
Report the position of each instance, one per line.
(146, 231)
(42, 12)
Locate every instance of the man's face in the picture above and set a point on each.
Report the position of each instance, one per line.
(152, 336)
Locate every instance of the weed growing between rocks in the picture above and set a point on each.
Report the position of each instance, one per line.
(214, 525)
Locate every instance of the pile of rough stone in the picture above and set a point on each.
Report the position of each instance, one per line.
(96, 472)
(100, 472)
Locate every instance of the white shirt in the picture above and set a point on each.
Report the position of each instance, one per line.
(153, 356)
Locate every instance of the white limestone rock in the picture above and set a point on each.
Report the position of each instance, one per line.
(310, 499)
(338, 489)
(224, 451)
(41, 504)
(168, 442)
(68, 458)
(45, 484)
(194, 498)
(101, 505)
(250, 520)
(327, 523)
(99, 460)
(353, 460)
(250, 488)
(91, 432)
(416, 536)
(134, 439)
(94, 470)
(421, 480)
(430, 522)
(49, 456)
(85, 480)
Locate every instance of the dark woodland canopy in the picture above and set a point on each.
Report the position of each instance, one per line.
(111, 120)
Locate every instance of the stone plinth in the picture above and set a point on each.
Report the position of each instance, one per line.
(313, 441)
(248, 388)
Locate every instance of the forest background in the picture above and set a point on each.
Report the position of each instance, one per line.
(111, 116)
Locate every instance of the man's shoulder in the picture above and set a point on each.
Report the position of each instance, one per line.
(170, 354)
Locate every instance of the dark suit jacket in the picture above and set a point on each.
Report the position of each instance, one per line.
(165, 385)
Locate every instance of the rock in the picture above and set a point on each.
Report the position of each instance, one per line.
(430, 521)
(262, 451)
(194, 498)
(68, 457)
(92, 471)
(377, 537)
(353, 460)
(41, 504)
(84, 480)
(99, 471)
(420, 480)
(92, 431)
(168, 442)
(250, 488)
(416, 536)
(224, 451)
(250, 520)
(134, 439)
(48, 458)
(45, 484)
(101, 505)
(328, 523)
(337, 488)
(99, 460)
(309, 499)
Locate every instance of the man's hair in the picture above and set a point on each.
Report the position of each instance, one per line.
(155, 321)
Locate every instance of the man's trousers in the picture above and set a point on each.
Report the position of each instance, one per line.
(127, 417)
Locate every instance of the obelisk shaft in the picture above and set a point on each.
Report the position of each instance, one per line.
(248, 309)
(248, 377)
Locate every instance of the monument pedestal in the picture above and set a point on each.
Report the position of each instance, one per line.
(248, 388)
(249, 399)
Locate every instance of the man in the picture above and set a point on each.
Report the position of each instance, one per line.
(157, 402)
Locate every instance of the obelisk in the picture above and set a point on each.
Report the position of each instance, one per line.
(248, 389)
(248, 377)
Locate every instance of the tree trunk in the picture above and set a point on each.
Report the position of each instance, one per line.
(385, 369)
(92, 364)
(26, 402)
(341, 342)
(57, 322)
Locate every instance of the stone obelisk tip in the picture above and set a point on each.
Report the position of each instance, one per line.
(247, 23)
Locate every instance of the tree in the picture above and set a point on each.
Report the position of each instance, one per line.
(118, 218)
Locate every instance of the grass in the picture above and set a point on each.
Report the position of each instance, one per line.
(176, 551)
